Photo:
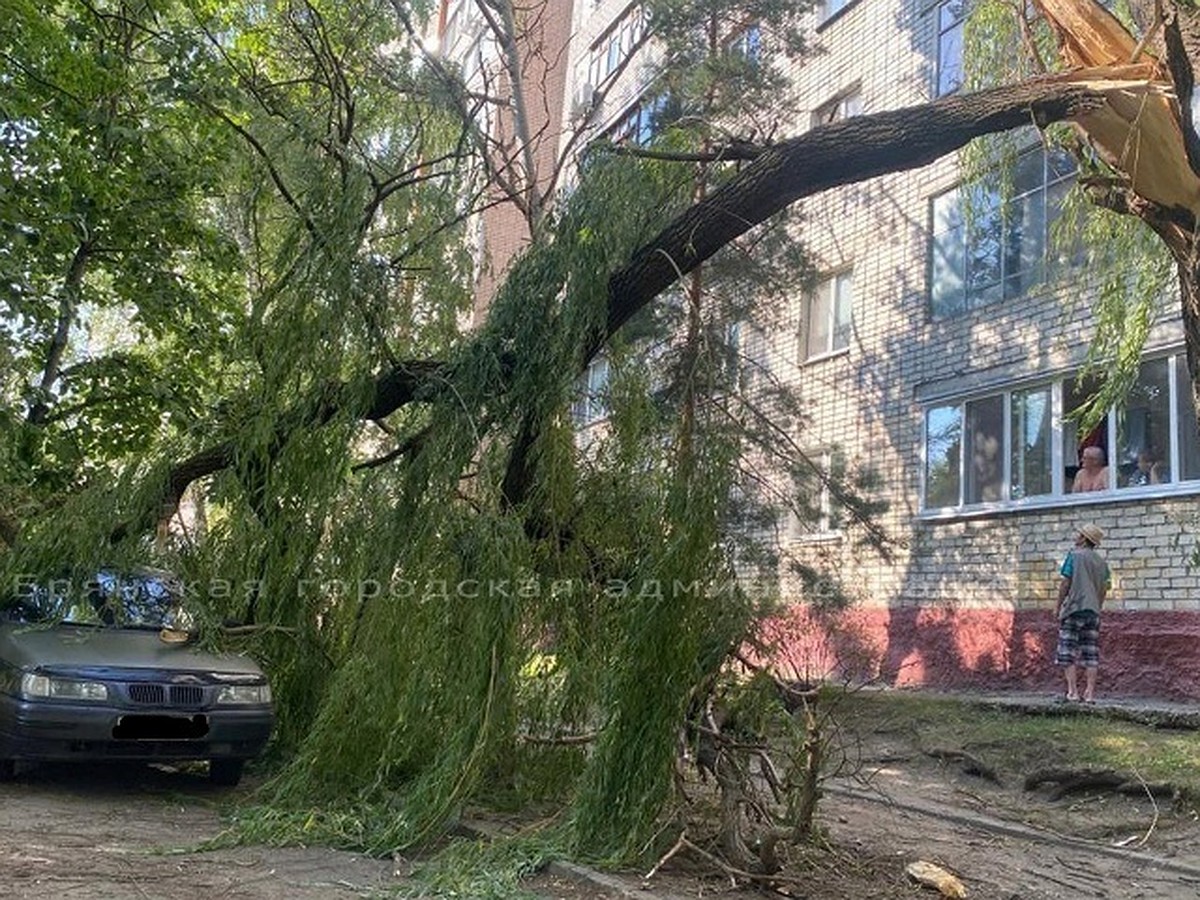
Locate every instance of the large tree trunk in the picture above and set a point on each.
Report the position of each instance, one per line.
(845, 152)
(826, 157)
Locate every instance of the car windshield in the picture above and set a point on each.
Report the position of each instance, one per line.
(126, 600)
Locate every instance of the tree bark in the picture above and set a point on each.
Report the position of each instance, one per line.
(67, 309)
(841, 153)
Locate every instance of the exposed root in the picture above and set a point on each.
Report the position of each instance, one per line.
(971, 765)
(1068, 781)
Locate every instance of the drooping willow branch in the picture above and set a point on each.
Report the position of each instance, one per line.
(826, 157)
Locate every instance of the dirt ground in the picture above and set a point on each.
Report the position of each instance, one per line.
(118, 833)
(1002, 841)
(100, 834)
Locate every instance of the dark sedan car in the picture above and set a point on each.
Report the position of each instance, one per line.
(109, 672)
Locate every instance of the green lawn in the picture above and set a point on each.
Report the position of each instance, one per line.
(1016, 741)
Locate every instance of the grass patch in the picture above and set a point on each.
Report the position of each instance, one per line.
(1017, 742)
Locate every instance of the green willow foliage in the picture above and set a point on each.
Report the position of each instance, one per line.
(1113, 264)
(480, 624)
(425, 631)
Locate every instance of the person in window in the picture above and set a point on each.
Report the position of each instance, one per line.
(1085, 582)
(1150, 470)
(1093, 472)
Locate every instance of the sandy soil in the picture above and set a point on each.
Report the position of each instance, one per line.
(124, 833)
(1002, 841)
(121, 834)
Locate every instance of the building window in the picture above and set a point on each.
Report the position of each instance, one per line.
(1030, 457)
(1001, 449)
(819, 514)
(943, 452)
(844, 106)
(989, 237)
(642, 121)
(827, 9)
(950, 17)
(613, 47)
(984, 462)
(591, 404)
(827, 316)
(1185, 422)
(746, 44)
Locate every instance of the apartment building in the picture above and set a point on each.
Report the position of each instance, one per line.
(935, 352)
(526, 155)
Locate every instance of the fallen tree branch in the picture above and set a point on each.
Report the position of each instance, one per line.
(823, 158)
(666, 857)
(735, 872)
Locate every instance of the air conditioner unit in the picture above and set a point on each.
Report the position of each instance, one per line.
(581, 103)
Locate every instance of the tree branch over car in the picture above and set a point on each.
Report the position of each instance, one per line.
(841, 153)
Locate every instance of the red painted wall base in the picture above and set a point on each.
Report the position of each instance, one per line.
(1142, 654)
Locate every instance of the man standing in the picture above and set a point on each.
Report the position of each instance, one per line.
(1081, 592)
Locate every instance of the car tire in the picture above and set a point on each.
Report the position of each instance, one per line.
(225, 772)
(8, 769)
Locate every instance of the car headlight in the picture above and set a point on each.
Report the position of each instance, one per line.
(42, 687)
(259, 694)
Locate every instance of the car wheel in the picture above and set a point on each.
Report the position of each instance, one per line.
(8, 769)
(225, 772)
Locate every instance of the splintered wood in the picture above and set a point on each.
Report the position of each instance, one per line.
(1139, 131)
(936, 877)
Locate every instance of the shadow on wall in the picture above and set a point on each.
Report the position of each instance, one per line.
(1145, 654)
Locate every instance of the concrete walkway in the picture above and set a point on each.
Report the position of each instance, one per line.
(1146, 711)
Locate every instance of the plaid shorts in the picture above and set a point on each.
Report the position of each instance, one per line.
(1079, 636)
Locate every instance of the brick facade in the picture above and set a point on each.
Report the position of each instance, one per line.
(967, 596)
(977, 571)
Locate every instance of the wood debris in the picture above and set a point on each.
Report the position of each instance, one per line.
(936, 877)
(1139, 131)
(1068, 781)
(971, 765)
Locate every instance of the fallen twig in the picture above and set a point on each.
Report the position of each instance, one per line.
(679, 845)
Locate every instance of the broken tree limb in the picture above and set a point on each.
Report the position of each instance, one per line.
(830, 156)
(1145, 130)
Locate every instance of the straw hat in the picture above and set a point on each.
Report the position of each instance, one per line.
(1091, 533)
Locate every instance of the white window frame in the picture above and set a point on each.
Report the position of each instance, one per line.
(845, 105)
(972, 299)
(615, 45)
(1059, 495)
(591, 402)
(833, 283)
(821, 529)
(830, 9)
(941, 30)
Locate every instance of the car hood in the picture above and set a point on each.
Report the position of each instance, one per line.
(64, 647)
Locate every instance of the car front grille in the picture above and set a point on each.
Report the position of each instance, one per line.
(186, 695)
(148, 693)
(166, 695)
